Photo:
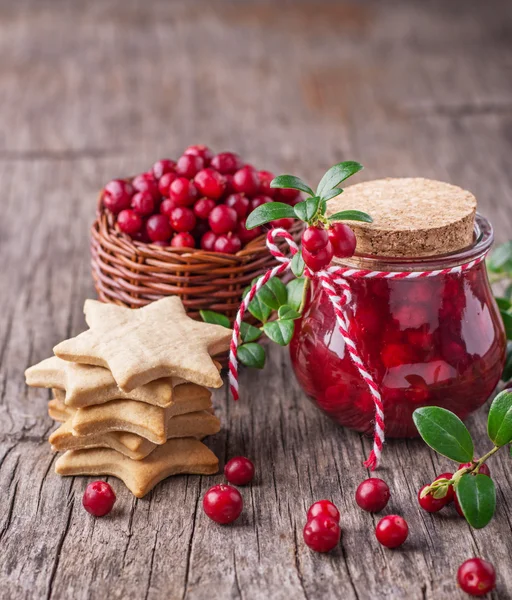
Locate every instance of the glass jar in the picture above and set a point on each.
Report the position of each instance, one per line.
(430, 341)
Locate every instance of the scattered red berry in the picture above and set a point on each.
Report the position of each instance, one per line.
(129, 221)
(223, 504)
(182, 219)
(239, 203)
(208, 241)
(323, 508)
(210, 183)
(183, 240)
(99, 498)
(143, 204)
(117, 195)
(228, 243)
(483, 470)
(315, 238)
(317, 261)
(431, 504)
(158, 228)
(392, 531)
(373, 494)
(164, 184)
(163, 166)
(343, 240)
(476, 577)
(203, 207)
(226, 163)
(322, 533)
(202, 151)
(246, 180)
(183, 191)
(265, 179)
(188, 165)
(144, 183)
(222, 219)
(239, 470)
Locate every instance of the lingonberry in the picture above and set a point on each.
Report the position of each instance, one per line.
(226, 163)
(223, 503)
(322, 533)
(259, 200)
(373, 494)
(323, 508)
(203, 207)
(208, 241)
(142, 183)
(318, 260)
(284, 223)
(99, 498)
(200, 229)
(483, 470)
(168, 206)
(143, 203)
(451, 492)
(129, 221)
(229, 243)
(265, 179)
(210, 183)
(287, 195)
(239, 470)
(476, 577)
(202, 151)
(343, 240)
(247, 181)
(458, 507)
(158, 228)
(229, 189)
(182, 219)
(429, 503)
(392, 531)
(117, 195)
(183, 240)
(163, 166)
(247, 235)
(183, 191)
(164, 183)
(222, 219)
(315, 238)
(188, 165)
(239, 203)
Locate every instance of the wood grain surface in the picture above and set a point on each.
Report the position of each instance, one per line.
(98, 89)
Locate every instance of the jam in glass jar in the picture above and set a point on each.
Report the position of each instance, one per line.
(427, 341)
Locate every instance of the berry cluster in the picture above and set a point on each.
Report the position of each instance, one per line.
(319, 245)
(199, 201)
(322, 531)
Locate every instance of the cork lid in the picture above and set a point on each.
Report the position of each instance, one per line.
(412, 216)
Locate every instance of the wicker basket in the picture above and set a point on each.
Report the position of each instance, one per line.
(134, 274)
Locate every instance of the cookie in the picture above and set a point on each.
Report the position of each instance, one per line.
(57, 410)
(148, 343)
(177, 456)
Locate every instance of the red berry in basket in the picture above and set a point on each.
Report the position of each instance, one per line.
(158, 228)
(228, 243)
(183, 240)
(129, 221)
(208, 241)
(226, 163)
(343, 240)
(222, 219)
(373, 494)
(143, 203)
(164, 183)
(167, 207)
(223, 503)
(182, 219)
(247, 181)
(322, 533)
(265, 179)
(282, 223)
(429, 503)
(286, 195)
(451, 492)
(239, 470)
(210, 183)
(142, 183)
(188, 165)
(315, 238)
(163, 166)
(476, 577)
(203, 207)
(117, 195)
(323, 508)
(239, 203)
(392, 531)
(202, 151)
(259, 200)
(247, 235)
(99, 498)
(183, 191)
(317, 261)
(483, 470)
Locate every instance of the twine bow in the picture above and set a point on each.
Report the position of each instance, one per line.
(334, 282)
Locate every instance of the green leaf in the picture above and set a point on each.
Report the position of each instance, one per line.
(291, 182)
(273, 293)
(444, 432)
(287, 312)
(351, 215)
(507, 369)
(280, 332)
(209, 316)
(332, 194)
(269, 212)
(249, 333)
(508, 292)
(259, 309)
(503, 303)
(307, 209)
(251, 355)
(477, 499)
(298, 264)
(507, 323)
(335, 175)
(295, 290)
(500, 260)
(499, 421)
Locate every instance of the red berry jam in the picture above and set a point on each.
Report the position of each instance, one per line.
(430, 341)
(476, 577)
(239, 470)
(99, 498)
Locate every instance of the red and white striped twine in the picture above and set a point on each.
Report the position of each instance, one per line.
(334, 282)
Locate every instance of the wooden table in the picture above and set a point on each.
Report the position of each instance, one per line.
(97, 89)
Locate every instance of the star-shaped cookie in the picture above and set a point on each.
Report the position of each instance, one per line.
(144, 344)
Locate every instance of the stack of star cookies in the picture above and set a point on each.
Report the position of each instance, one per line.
(131, 394)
